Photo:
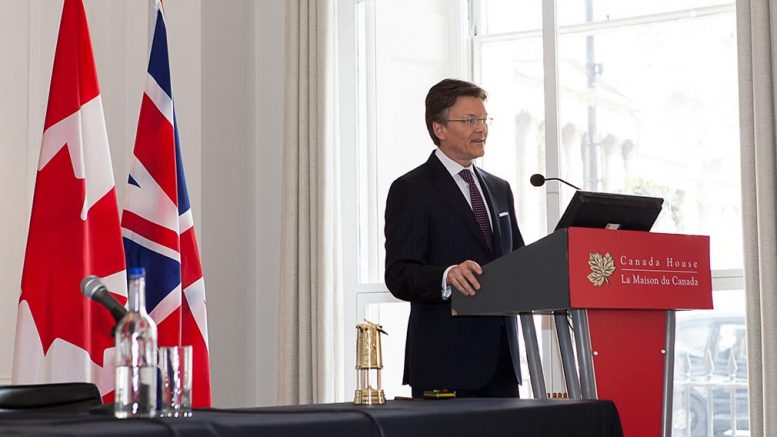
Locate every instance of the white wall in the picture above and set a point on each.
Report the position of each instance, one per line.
(268, 73)
(242, 137)
(227, 67)
(16, 166)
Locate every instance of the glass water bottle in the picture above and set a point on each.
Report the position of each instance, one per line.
(136, 354)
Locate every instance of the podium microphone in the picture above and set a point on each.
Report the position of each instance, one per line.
(93, 288)
(538, 180)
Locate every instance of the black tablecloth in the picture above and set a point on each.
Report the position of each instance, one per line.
(416, 418)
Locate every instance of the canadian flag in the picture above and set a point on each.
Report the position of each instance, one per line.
(74, 228)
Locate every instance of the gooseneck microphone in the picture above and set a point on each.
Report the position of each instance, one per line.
(93, 288)
(538, 180)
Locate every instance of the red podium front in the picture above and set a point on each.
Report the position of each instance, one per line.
(629, 282)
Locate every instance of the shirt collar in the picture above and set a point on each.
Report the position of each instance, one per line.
(452, 166)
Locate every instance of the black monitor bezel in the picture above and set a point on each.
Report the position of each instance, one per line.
(589, 209)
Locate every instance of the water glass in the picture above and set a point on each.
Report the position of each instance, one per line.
(175, 365)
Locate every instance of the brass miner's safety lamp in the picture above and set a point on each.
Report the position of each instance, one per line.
(369, 361)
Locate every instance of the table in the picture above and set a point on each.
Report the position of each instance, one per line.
(399, 418)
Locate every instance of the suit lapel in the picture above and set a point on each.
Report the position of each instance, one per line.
(452, 194)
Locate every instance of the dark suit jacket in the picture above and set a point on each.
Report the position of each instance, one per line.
(429, 227)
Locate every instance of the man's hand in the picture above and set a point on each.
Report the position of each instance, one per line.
(463, 277)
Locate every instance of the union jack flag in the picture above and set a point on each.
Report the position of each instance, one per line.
(157, 222)
(62, 336)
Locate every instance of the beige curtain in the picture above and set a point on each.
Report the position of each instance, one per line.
(756, 33)
(309, 344)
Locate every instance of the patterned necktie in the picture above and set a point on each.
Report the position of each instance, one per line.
(479, 208)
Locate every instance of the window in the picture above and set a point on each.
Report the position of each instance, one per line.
(636, 98)
(398, 55)
(399, 47)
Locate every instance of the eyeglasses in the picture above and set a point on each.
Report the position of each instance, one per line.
(471, 122)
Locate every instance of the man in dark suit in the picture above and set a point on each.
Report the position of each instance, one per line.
(444, 220)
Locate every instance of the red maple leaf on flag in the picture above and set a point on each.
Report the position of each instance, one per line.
(61, 250)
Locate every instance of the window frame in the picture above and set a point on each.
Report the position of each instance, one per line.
(354, 94)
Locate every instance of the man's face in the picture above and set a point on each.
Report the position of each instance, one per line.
(458, 141)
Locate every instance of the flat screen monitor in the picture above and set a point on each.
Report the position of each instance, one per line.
(598, 210)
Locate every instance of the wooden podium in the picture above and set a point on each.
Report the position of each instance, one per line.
(621, 289)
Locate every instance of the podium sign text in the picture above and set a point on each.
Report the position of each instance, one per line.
(638, 270)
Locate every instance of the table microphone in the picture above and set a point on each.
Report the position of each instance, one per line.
(538, 180)
(93, 288)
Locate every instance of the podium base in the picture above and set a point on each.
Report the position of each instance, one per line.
(629, 351)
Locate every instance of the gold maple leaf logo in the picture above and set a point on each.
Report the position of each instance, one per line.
(602, 267)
